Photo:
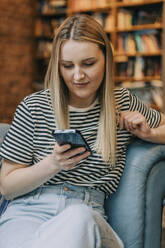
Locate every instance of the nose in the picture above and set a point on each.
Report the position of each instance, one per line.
(78, 74)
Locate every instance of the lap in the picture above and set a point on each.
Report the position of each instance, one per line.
(44, 214)
(17, 230)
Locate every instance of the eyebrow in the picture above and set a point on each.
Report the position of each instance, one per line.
(84, 60)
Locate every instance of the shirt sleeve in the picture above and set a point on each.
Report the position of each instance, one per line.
(152, 116)
(18, 143)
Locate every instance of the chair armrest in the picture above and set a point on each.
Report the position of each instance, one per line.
(126, 208)
(155, 192)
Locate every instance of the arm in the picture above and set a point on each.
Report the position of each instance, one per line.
(136, 123)
(19, 179)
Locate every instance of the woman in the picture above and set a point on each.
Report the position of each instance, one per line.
(57, 193)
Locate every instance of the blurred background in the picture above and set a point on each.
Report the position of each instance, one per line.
(17, 54)
(135, 28)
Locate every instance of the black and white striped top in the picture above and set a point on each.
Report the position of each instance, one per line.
(30, 138)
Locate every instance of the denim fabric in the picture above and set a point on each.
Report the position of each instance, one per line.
(64, 216)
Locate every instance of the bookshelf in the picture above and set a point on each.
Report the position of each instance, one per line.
(139, 51)
(136, 29)
(51, 14)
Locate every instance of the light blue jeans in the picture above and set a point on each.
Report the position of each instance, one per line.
(61, 216)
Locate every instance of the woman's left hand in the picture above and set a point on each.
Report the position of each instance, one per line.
(136, 123)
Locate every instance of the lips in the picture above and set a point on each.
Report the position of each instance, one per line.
(81, 84)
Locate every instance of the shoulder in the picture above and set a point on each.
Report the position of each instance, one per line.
(40, 96)
(121, 93)
(38, 99)
(122, 98)
(35, 103)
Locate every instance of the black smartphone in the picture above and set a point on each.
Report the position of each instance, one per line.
(72, 137)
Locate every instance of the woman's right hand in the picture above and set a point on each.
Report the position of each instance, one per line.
(65, 158)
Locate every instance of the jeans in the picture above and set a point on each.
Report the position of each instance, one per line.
(59, 216)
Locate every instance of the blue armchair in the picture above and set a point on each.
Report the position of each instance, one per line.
(135, 210)
(3, 130)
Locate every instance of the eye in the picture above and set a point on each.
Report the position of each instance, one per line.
(89, 63)
(69, 66)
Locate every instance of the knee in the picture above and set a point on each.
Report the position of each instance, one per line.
(80, 214)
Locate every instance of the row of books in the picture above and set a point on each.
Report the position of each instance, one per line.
(139, 67)
(106, 20)
(142, 41)
(51, 6)
(127, 18)
(46, 28)
(85, 5)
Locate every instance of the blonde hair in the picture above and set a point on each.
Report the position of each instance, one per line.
(85, 28)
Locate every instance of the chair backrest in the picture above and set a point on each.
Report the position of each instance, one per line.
(3, 130)
(4, 127)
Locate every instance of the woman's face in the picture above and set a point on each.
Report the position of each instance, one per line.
(82, 69)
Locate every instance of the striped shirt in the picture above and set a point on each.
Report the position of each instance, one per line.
(30, 139)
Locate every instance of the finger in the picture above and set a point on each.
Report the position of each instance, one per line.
(78, 158)
(61, 148)
(130, 122)
(131, 119)
(70, 163)
(74, 152)
(123, 119)
(68, 167)
(136, 121)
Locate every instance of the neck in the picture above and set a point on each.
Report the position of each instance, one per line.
(81, 103)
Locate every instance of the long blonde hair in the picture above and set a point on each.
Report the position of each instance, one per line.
(85, 28)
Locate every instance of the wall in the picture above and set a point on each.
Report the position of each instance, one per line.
(17, 49)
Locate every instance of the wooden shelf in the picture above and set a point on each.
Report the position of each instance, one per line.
(103, 10)
(142, 54)
(137, 3)
(53, 14)
(133, 79)
(141, 27)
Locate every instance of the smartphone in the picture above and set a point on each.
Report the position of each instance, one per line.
(72, 137)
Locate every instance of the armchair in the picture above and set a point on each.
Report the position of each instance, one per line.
(3, 130)
(135, 210)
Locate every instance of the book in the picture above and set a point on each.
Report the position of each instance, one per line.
(120, 44)
(130, 46)
(139, 45)
(139, 68)
(124, 18)
(109, 23)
